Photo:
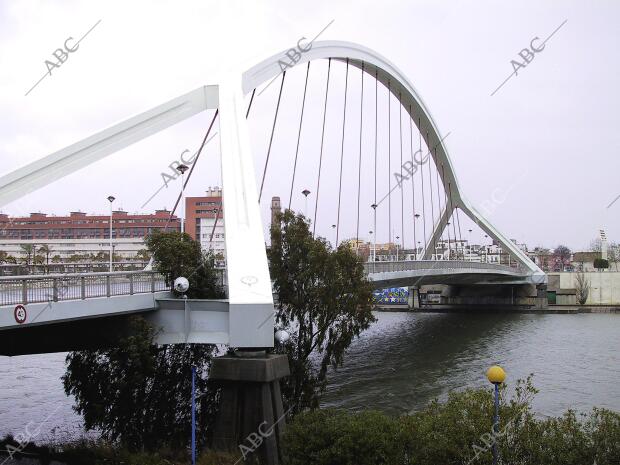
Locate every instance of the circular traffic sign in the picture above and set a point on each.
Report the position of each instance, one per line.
(20, 314)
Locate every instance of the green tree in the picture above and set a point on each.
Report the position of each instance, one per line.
(324, 302)
(176, 254)
(46, 250)
(137, 394)
(601, 263)
(143, 255)
(561, 257)
(29, 251)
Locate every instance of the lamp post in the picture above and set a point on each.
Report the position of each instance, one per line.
(193, 415)
(111, 199)
(182, 169)
(306, 193)
(469, 246)
(496, 375)
(374, 237)
(397, 247)
(486, 250)
(449, 249)
(416, 216)
(373, 250)
(334, 228)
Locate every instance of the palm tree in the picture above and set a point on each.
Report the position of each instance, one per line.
(46, 250)
(29, 251)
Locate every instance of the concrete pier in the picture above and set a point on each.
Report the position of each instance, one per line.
(251, 418)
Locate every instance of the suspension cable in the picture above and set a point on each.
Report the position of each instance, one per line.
(359, 167)
(389, 94)
(451, 206)
(376, 138)
(430, 182)
(318, 182)
(439, 202)
(415, 243)
(191, 170)
(402, 191)
(273, 130)
(458, 219)
(247, 113)
(422, 175)
(344, 123)
(453, 209)
(301, 118)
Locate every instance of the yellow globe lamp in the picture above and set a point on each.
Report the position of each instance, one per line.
(496, 374)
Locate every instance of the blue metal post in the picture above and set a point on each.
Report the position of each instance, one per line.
(193, 416)
(496, 425)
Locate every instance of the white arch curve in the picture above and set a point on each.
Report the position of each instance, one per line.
(250, 306)
(399, 84)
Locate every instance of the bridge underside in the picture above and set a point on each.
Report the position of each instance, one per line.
(89, 333)
(176, 322)
(416, 279)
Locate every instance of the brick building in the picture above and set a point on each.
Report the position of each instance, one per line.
(204, 218)
(80, 233)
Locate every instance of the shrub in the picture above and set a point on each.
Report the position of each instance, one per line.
(601, 263)
(328, 437)
(457, 431)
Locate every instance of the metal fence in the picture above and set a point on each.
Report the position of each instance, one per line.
(7, 269)
(413, 265)
(46, 288)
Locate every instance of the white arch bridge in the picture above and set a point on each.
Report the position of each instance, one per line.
(423, 207)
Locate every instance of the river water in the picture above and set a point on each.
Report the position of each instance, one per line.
(398, 365)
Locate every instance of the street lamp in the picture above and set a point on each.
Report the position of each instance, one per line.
(397, 237)
(182, 169)
(449, 251)
(373, 254)
(486, 250)
(469, 253)
(374, 237)
(496, 375)
(306, 193)
(111, 199)
(416, 216)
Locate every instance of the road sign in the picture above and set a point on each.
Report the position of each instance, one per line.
(20, 314)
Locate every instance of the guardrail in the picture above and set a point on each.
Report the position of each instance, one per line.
(413, 265)
(79, 286)
(8, 269)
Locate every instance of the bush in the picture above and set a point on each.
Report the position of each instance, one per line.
(89, 452)
(328, 437)
(601, 263)
(457, 431)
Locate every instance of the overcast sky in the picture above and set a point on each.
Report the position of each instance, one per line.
(545, 145)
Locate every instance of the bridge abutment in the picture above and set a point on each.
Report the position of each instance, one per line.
(485, 296)
(251, 418)
(413, 299)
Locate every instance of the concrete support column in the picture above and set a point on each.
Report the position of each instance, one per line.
(251, 418)
(541, 297)
(413, 301)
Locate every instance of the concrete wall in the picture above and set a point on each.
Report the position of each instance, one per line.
(604, 286)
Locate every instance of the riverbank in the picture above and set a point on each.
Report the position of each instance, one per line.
(452, 431)
(552, 309)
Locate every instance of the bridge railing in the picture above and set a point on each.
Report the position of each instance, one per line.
(412, 265)
(80, 286)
